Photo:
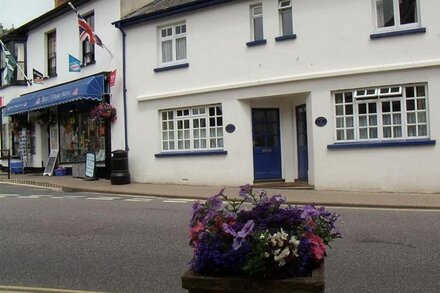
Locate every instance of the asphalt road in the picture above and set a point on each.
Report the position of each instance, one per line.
(111, 243)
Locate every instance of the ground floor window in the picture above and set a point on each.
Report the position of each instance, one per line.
(80, 133)
(195, 128)
(382, 113)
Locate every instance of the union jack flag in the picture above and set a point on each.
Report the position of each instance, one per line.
(87, 33)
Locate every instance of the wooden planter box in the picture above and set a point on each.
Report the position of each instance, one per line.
(210, 284)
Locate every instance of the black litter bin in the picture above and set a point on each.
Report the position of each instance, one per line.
(120, 174)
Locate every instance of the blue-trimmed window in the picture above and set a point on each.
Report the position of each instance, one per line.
(396, 15)
(398, 112)
(257, 31)
(286, 17)
(172, 44)
(192, 129)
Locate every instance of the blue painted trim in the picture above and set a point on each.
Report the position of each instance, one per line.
(398, 33)
(160, 69)
(190, 154)
(256, 43)
(187, 7)
(397, 143)
(285, 38)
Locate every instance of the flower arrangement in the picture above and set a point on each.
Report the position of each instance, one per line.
(18, 122)
(104, 111)
(265, 240)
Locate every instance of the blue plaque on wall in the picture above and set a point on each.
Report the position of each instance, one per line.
(230, 128)
(321, 121)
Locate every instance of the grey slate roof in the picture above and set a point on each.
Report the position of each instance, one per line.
(159, 5)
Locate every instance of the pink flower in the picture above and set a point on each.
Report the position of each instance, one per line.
(317, 247)
(195, 232)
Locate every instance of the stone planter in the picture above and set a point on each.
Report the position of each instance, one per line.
(212, 284)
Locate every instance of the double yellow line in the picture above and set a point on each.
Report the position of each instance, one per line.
(19, 289)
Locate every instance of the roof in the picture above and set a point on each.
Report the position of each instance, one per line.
(163, 8)
(41, 20)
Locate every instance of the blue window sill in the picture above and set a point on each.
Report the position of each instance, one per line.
(165, 68)
(398, 33)
(397, 143)
(190, 154)
(285, 38)
(256, 43)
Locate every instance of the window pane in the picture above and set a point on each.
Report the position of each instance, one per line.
(397, 119)
(339, 110)
(421, 105)
(350, 134)
(410, 105)
(385, 13)
(363, 133)
(340, 135)
(181, 48)
(408, 11)
(411, 118)
(372, 120)
(386, 119)
(420, 91)
(167, 51)
(339, 122)
(387, 132)
(423, 130)
(373, 132)
(349, 121)
(386, 107)
(258, 29)
(421, 117)
(286, 20)
(362, 108)
(372, 108)
(397, 131)
(348, 109)
(338, 98)
(412, 130)
(363, 121)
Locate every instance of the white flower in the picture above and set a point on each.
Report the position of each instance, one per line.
(266, 254)
(281, 263)
(285, 252)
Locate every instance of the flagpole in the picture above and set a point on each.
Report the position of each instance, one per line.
(77, 14)
(16, 63)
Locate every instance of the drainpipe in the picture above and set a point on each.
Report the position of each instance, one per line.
(124, 86)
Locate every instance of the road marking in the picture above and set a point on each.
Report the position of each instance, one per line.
(102, 198)
(138, 199)
(9, 194)
(28, 196)
(385, 209)
(11, 289)
(176, 201)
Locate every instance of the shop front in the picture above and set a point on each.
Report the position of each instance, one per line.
(72, 119)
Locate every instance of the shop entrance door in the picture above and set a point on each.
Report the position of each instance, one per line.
(301, 135)
(266, 141)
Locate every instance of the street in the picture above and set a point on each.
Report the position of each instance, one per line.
(122, 243)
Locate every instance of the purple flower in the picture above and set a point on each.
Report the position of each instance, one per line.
(309, 211)
(245, 192)
(229, 230)
(248, 227)
(215, 202)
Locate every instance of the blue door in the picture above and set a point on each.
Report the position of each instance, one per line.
(301, 135)
(266, 140)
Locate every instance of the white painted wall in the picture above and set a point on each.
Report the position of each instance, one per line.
(333, 51)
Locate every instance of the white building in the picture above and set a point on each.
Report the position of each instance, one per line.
(341, 94)
(67, 98)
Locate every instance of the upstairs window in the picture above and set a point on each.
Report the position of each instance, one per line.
(396, 14)
(257, 22)
(88, 49)
(173, 44)
(17, 51)
(286, 19)
(51, 54)
(384, 113)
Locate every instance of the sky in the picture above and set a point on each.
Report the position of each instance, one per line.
(19, 12)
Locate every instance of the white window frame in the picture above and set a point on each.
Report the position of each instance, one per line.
(173, 37)
(254, 16)
(392, 94)
(191, 133)
(397, 26)
(280, 10)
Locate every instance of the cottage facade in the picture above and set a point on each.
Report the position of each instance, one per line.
(340, 94)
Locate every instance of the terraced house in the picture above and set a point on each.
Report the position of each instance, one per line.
(340, 94)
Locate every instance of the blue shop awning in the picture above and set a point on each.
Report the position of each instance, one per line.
(90, 88)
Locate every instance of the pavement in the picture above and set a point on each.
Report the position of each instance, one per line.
(299, 196)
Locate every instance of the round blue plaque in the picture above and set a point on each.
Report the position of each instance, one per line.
(321, 121)
(230, 128)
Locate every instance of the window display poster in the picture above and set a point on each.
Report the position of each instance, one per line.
(51, 163)
(90, 167)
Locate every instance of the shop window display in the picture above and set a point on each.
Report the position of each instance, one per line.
(80, 133)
